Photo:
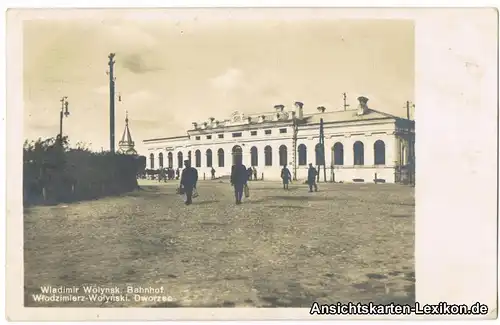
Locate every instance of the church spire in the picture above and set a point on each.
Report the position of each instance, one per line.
(127, 144)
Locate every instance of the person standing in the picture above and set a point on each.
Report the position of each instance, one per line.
(311, 178)
(177, 172)
(189, 178)
(213, 173)
(239, 178)
(286, 176)
(249, 173)
(254, 173)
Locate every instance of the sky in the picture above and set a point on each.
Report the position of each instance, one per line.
(175, 70)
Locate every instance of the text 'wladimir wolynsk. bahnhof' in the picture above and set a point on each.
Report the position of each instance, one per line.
(352, 145)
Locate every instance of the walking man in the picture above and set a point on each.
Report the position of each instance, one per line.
(311, 178)
(189, 178)
(239, 178)
(286, 176)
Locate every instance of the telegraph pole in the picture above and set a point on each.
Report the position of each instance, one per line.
(111, 103)
(410, 143)
(64, 112)
(345, 101)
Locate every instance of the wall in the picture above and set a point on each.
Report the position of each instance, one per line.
(346, 133)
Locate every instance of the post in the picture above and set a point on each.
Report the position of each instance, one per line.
(295, 132)
(64, 112)
(410, 144)
(322, 147)
(345, 101)
(111, 103)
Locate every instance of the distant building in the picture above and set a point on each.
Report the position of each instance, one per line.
(126, 144)
(360, 144)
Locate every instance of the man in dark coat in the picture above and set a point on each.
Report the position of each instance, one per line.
(189, 178)
(239, 178)
(286, 176)
(311, 178)
(249, 173)
(213, 173)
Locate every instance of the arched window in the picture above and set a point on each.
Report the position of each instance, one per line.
(268, 156)
(179, 159)
(170, 159)
(237, 154)
(283, 153)
(160, 159)
(320, 157)
(302, 150)
(197, 158)
(189, 157)
(152, 161)
(220, 156)
(254, 156)
(209, 158)
(359, 153)
(379, 152)
(338, 154)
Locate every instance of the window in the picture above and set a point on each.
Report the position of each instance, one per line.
(220, 136)
(197, 137)
(152, 161)
(179, 159)
(302, 151)
(320, 156)
(379, 152)
(220, 156)
(189, 157)
(253, 132)
(170, 160)
(268, 156)
(359, 153)
(209, 158)
(283, 130)
(209, 137)
(236, 134)
(338, 154)
(197, 158)
(283, 153)
(237, 154)
(267, 131)
(254, 156)
(160, 159)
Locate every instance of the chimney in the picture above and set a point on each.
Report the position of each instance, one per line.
(298, 110)
(261, 118)
(205, 125)
(321, 109)
(279, 108)
(362, 106)
(195, 125)
(216, 123)
(249, 119)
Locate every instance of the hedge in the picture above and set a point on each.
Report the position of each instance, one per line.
(54, 173)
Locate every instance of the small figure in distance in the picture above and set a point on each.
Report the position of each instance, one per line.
(311, 178)
(189, 178)
(286, 176)
(239, 178)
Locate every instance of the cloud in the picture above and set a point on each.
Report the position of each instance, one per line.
(135, 63)
(231, 79)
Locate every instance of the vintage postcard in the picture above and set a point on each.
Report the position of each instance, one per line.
(251, 163)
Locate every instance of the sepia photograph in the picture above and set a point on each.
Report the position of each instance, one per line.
(231, 163)
(218, 158)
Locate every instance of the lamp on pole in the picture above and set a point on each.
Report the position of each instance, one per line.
(63, 113)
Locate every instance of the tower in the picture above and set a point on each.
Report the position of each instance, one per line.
(126, 144)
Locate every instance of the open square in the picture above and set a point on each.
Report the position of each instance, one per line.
(347, 242)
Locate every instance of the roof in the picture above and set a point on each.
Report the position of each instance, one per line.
(347, 116)
(126, 140)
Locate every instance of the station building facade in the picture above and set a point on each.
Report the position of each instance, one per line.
(360, 145)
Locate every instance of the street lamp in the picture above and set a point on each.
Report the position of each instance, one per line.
(64, 113)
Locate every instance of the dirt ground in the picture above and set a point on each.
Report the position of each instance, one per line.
(347, 242)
